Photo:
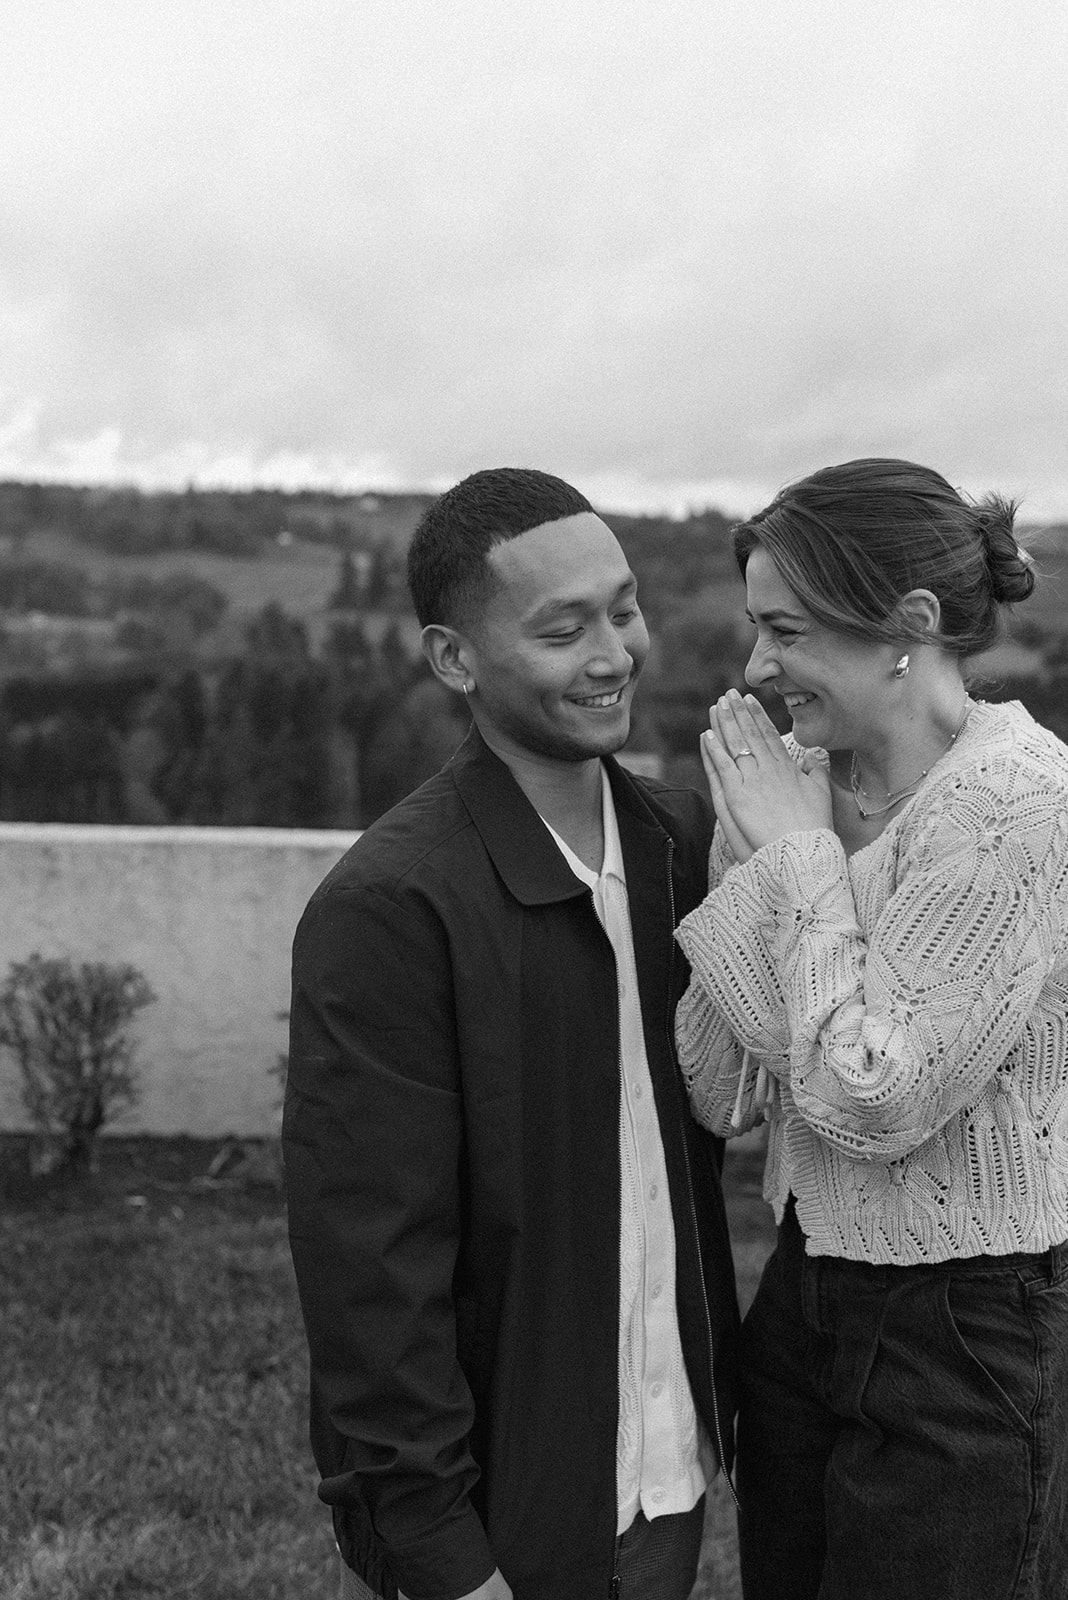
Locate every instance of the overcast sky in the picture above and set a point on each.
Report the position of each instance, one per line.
(679, 252)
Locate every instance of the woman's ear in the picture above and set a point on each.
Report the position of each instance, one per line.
(920, 611)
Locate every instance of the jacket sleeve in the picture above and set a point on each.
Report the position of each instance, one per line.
(372, 1136)
(894, 1032)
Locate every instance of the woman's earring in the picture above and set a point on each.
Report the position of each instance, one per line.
(902, 667)
(466, 686)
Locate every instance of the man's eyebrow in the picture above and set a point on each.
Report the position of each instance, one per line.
(563, 606)
(556, 608)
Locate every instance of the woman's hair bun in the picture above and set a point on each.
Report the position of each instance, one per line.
(1011, 569)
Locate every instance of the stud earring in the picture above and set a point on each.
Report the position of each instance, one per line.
(902, 668)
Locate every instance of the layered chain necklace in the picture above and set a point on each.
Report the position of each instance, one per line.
(869, 811)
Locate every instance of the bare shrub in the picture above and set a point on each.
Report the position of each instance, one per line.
(66, 1025)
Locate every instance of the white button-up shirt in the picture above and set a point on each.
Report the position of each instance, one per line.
(663, 1462)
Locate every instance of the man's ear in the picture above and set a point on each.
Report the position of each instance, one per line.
(921, 611)
(449, 654)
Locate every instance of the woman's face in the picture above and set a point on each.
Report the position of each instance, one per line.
(834, 686)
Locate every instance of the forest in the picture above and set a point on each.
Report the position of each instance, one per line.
(250, 658)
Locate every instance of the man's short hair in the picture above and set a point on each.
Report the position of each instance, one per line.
(448, 574)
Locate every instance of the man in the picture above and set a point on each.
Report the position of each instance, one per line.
(508, 1233)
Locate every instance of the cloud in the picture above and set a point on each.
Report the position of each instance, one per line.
(655, 248)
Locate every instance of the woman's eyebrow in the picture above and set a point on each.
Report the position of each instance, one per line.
(775, 616)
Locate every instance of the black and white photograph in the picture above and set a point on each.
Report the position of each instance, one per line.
(534, 800)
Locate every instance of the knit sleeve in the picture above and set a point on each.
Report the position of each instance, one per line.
(891, 1034)
(720, 1052)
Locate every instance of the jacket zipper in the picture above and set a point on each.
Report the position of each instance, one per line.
(696, 1233)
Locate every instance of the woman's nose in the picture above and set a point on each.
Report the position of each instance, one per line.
(761, 667)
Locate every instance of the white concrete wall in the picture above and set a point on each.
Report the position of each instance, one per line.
(208, 915)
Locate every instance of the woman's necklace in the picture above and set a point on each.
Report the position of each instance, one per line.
(867, 812)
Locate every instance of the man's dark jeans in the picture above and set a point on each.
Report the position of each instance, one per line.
(658, 1560)
(654, 1560)
(904, 1430)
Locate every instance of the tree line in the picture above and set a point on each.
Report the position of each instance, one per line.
(272, 736)
(279, 736)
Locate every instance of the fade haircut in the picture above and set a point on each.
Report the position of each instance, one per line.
(448, 574)
(852, 540)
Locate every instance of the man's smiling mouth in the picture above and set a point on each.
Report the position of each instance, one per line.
(600, 701)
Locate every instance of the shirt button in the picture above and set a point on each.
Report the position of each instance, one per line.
(658, 1495)
(654, 1190)
(656, 1290)
(637, 1091)
(657, 1390)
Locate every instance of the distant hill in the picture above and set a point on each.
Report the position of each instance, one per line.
(253, 659)
(261, 546)
(132, 522)
(258, 546)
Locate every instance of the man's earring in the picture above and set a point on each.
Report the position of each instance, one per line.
(902, 667)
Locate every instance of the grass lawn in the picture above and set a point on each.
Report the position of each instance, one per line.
(153, 1429)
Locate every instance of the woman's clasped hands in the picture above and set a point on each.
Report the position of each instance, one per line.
(759, 791)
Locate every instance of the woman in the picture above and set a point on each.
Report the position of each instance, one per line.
(881, 968)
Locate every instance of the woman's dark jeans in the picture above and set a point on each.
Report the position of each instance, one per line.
(904, 1430)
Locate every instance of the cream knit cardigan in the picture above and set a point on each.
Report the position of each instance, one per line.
(901, 1016)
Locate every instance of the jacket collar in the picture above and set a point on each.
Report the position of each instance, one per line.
(518, 842)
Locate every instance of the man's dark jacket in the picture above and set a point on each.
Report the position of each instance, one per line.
(452, 1156)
